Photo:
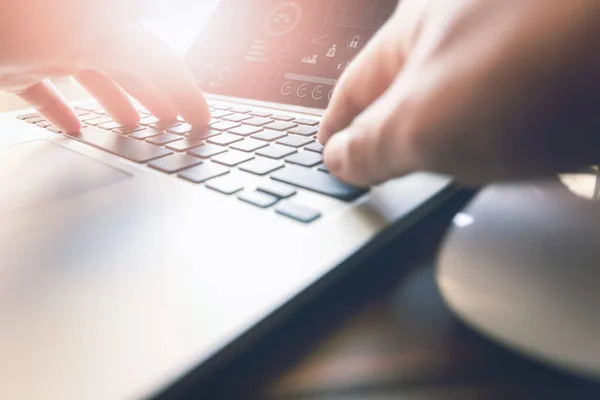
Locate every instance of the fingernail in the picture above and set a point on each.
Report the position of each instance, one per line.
(335, 150)
(323, 134)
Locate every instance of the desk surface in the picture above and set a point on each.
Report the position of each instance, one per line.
(385, 333)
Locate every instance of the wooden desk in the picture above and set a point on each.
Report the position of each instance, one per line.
(384, 333)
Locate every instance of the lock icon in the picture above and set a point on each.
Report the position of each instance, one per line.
(355, 42)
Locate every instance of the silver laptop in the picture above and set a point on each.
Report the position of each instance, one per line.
(131, 258)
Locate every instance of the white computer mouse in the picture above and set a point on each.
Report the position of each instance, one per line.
(522, 265)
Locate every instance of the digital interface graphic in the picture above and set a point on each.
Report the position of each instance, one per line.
(284, 51)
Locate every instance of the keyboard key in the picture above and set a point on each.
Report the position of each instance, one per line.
(249, 145)
(305, 159)
(258, 121)
(277, 189)
(224, 125)
(88, 106)
(236, 117)
(297, 212)
(53, 129)
(245, 130)
(307, 121)
(35, 120)
(145, 134)
(185, 144)
(232, 158)
(128, 130)
(220, 113)
(82, 113)
(220, 106)
(122, 146)
(89, 116)
(175, 163)
(295, 141)
(207, 151)
(148, 120)
(98, 120)
(280, 126)
(282, 117)
(28, 116)
(261, 166)
(261, 114)
(110, 125)
(164, 125)
(227, 185)
(44, 124)
(323, 168)
(163, 139)
(203, 172)
(204, 132)
(304, 130)
(276, 151)
(269, 136)
(241, 109)
(258, 199)
(318, 182)
(225, 139)
(315, 147)
(183, 129)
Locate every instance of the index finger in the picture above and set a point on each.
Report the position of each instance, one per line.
(51, 104)
(365, 80)
(137, 53)
(154, 61)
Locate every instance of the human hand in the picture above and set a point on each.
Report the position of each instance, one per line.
(481, 90)
(104, 50)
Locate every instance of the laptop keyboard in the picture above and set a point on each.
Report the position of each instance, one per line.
(280, 146)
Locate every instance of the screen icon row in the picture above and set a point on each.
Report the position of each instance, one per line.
(317, 92)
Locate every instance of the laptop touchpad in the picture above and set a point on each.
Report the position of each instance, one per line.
(41, 172)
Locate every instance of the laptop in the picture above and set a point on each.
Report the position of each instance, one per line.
(132, 258)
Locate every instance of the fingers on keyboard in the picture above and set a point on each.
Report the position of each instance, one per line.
(280, 148)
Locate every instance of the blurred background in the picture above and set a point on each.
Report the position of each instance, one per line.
(178, 22)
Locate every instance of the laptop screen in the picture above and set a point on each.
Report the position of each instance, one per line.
(283, 51)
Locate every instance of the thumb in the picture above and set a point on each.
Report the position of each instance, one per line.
(381, 142)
